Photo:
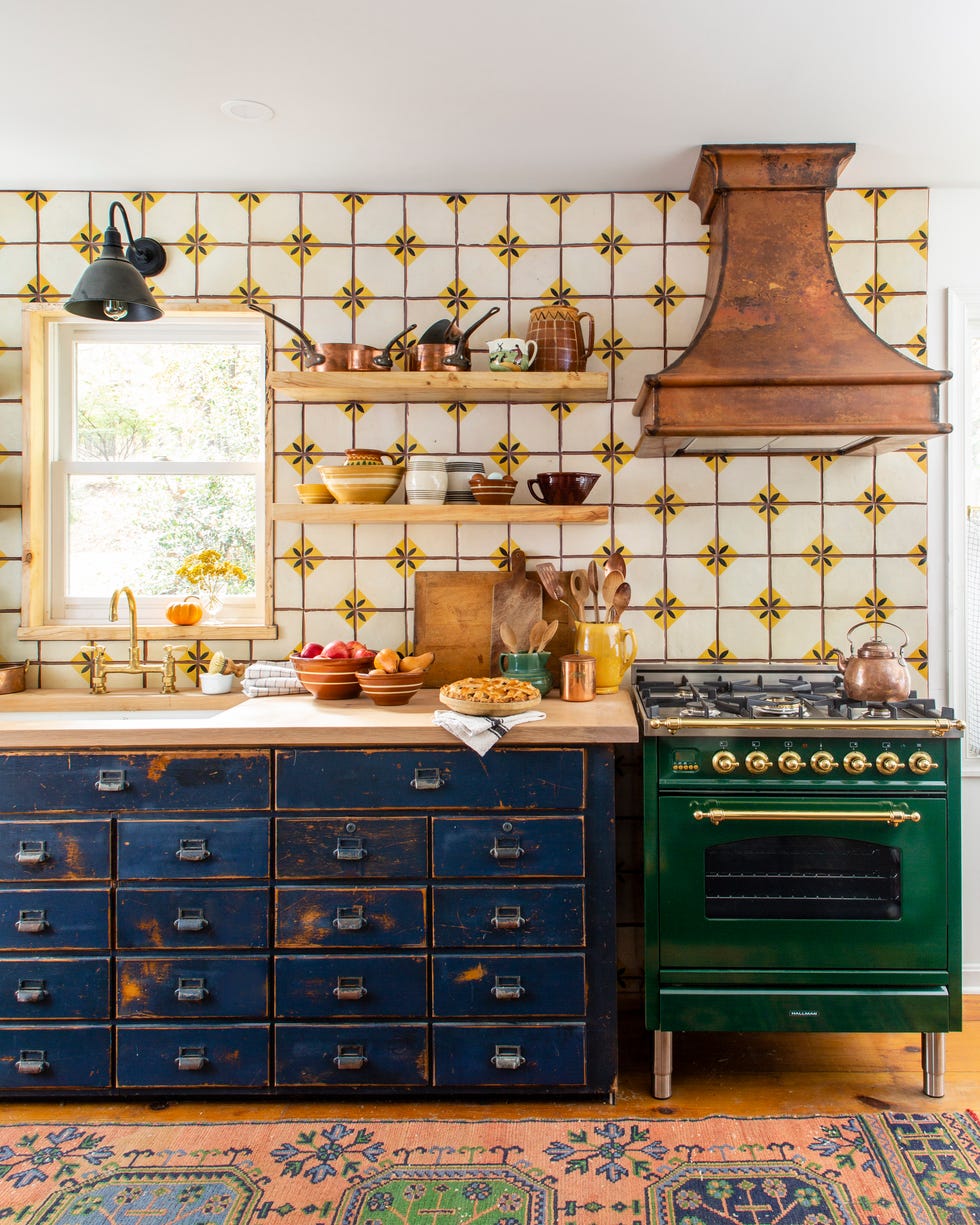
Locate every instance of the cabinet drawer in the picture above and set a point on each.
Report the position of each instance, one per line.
(54, 919)
(37, 1060)
(352, 1055)
(126, 782)
(517, 846)
(189, 916)
(771, 1010)
(352, 985)
(50, 851)
(192, 987)
(506, 985)
(429, 779)
(54, 989)
(366, 847)
(481, 1056)
(334, 917)
(192, 1056)
(508, 915)
(193, 850)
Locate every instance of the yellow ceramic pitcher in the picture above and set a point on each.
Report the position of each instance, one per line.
(612, 645)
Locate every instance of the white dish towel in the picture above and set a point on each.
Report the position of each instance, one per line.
(266, 678)
(481, 732)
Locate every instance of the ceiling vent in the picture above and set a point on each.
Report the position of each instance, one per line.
(780, 363)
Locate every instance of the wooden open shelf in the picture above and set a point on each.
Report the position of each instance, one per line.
(386, 512)
(419, 386)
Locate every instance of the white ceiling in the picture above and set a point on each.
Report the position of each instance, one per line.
(509, 95)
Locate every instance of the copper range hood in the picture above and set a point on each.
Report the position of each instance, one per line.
(780, 363)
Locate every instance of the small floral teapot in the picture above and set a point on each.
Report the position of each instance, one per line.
(874, 673)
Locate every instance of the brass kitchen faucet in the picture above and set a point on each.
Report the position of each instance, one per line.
(101, 667)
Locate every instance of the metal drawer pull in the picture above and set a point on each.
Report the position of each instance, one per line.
(190, 919)
(349, 1056)
(507, 987)
(32, 852)
(191, 1058)
(427, 780)
(507, 918)
(31, 991)
(33, 921)
(191, 990)
(349, 848)
(32, 1063)
(350, 919)
(111, 780)
(507, 848)
(894, 816)
(350, 989)
(507, 1058)
(193, 850)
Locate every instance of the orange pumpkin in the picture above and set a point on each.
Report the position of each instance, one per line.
(185, 612)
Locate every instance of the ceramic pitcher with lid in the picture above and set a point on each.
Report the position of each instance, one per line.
(557, 332)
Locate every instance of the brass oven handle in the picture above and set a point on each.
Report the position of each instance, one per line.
(894, 816)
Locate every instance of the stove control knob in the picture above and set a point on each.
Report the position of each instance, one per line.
(757, 763)
(790, 763)
(856, 763)
(822, 762)
(724, 762)
(922, 763)
(889, 763)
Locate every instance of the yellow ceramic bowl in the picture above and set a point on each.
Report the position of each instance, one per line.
(313, 492)
(362, 482)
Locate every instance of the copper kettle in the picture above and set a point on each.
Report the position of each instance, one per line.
(874, 673)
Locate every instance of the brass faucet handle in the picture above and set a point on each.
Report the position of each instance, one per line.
(169, 684)
(97, 670)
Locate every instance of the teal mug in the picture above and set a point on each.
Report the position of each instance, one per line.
(528, 666)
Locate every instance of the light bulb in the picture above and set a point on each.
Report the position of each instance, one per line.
(114, 309)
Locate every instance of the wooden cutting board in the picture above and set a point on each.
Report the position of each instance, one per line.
(453, 615)
(516, 603)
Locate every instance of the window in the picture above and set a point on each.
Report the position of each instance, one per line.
(145, 443)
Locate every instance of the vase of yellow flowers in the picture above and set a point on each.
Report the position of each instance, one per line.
(209, 573)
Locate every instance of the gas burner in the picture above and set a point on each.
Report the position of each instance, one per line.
(776, 705)
(875, 710)
(700, 710)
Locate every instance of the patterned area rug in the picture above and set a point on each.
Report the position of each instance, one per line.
(867, 1169)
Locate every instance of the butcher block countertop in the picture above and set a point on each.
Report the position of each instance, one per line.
(76, 719)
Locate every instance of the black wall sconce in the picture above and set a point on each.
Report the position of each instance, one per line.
(113, 287)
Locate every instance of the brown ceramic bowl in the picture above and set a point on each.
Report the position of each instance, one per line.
(391, 688)
(329, 679)
(490, 491)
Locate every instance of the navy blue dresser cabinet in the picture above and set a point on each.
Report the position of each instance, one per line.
(307, 921)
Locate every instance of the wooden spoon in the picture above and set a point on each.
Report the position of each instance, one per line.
(609, 585)
(534, 637)
(615, 562)
(547, 634)
(620, 601)
(578, 581)
(593, 576)
(508, 638)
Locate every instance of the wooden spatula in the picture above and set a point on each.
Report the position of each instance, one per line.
(516, 603)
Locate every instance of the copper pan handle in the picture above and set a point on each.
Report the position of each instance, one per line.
(310, 355)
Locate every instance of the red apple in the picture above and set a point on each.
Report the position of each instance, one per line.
(353, 646)
(362, 652)
(311, 650)
(335, 650)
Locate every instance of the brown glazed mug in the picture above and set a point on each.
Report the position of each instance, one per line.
(562, 488)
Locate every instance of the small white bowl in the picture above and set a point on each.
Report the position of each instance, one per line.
(216, 682)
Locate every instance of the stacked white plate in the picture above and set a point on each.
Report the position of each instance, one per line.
(426, 480)
(459, 472)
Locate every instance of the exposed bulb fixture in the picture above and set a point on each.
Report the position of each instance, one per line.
(113, 287)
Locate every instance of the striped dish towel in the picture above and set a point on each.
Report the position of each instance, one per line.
(480, 732)
(266, 679)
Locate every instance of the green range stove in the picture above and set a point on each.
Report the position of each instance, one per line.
(802, 860)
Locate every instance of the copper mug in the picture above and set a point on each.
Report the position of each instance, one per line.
(557, 331)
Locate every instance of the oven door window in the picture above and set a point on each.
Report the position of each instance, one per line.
(802, 877)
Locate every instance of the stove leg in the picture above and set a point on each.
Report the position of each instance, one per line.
(663, 1062)
(933, 1064)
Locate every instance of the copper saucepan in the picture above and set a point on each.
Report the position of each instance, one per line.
(340, 355)
(452, 356)
(13, 677)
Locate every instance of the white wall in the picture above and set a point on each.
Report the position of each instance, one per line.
(954, 263)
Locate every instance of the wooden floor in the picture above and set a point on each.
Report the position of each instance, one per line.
(752, 1075)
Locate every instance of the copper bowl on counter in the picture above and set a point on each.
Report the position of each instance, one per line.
(13, 677)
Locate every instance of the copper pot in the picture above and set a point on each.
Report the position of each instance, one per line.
(874, 673)
(340, 355)
(455, 356)
(13, 677)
